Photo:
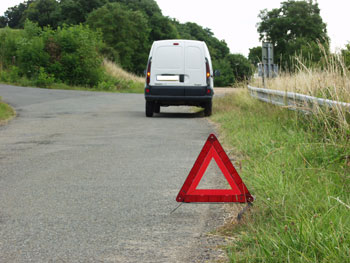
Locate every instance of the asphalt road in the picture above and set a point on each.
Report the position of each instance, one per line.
(86, 177)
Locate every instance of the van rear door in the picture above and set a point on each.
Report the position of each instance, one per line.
(167, 73)
(195, 78)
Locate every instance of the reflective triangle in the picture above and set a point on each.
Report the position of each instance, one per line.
(189, 192)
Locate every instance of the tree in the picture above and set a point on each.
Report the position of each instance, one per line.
(73, 12)
(148, 7)
(293, 27)
(218, 49)
(255, 54)
(226, 77)
(44, 12)
(3, 21)
(241, 66)
(162, 28)
(15, 15)
(126, 32)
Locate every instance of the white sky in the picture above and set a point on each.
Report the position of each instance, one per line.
(235, 21)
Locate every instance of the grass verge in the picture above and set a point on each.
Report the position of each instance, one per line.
(6, 112)
(300, 177)
(329, 79)
(115, 79)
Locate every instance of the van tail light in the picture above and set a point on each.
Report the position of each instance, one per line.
(148, 74)
(207, 71)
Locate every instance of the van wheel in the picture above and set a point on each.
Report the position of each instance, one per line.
(149, 108)
(156, 108)
(208, 108)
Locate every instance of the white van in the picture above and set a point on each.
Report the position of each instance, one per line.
(179, 72)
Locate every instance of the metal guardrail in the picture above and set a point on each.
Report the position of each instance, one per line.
(294, 101)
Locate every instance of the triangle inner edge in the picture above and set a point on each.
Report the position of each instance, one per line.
(212, 153)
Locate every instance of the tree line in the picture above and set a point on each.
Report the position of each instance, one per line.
(297, 31)
(128, 29)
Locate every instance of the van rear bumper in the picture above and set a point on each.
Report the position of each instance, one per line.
(192, 96)
(178, 100)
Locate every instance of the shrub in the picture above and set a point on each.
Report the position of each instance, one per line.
(73, 55)
(68, 54)
(31, 56)
(8, 45)
(226, 77)
(10, 75)
(44, 80)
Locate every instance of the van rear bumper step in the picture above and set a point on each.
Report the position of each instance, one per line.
(178, 98)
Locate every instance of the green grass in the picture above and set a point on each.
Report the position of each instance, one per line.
(6, 112)
(301, 180)
(111, 85)
(130, 87)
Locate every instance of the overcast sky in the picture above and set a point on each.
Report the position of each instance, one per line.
(235, 21)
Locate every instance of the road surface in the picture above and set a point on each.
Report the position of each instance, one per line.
(86, 177)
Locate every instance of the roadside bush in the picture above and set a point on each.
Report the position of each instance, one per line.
(227, 77)
(73, 55)
(8, 45)
(68, 54)
(31, 55)
(44, 80)
(10, 75)
(106, 86)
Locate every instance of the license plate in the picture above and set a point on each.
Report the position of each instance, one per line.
(168, 77)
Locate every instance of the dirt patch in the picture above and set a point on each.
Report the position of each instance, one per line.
(4, 122)
(227, 90)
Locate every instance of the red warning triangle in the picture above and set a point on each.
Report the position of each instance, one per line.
(238, 192)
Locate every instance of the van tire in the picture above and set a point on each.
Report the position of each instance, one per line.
(156, 108)
(149, 108)
(208, 108)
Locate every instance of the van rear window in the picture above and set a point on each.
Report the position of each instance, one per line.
(168, 57)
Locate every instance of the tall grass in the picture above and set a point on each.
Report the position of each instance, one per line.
(118, 80)
(301, 182)
(116, 71)
(329, 79)
(297, 165)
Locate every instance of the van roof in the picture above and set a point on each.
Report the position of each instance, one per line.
(158, 42)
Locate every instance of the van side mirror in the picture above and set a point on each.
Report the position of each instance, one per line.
(217, 73)
(145, 72)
